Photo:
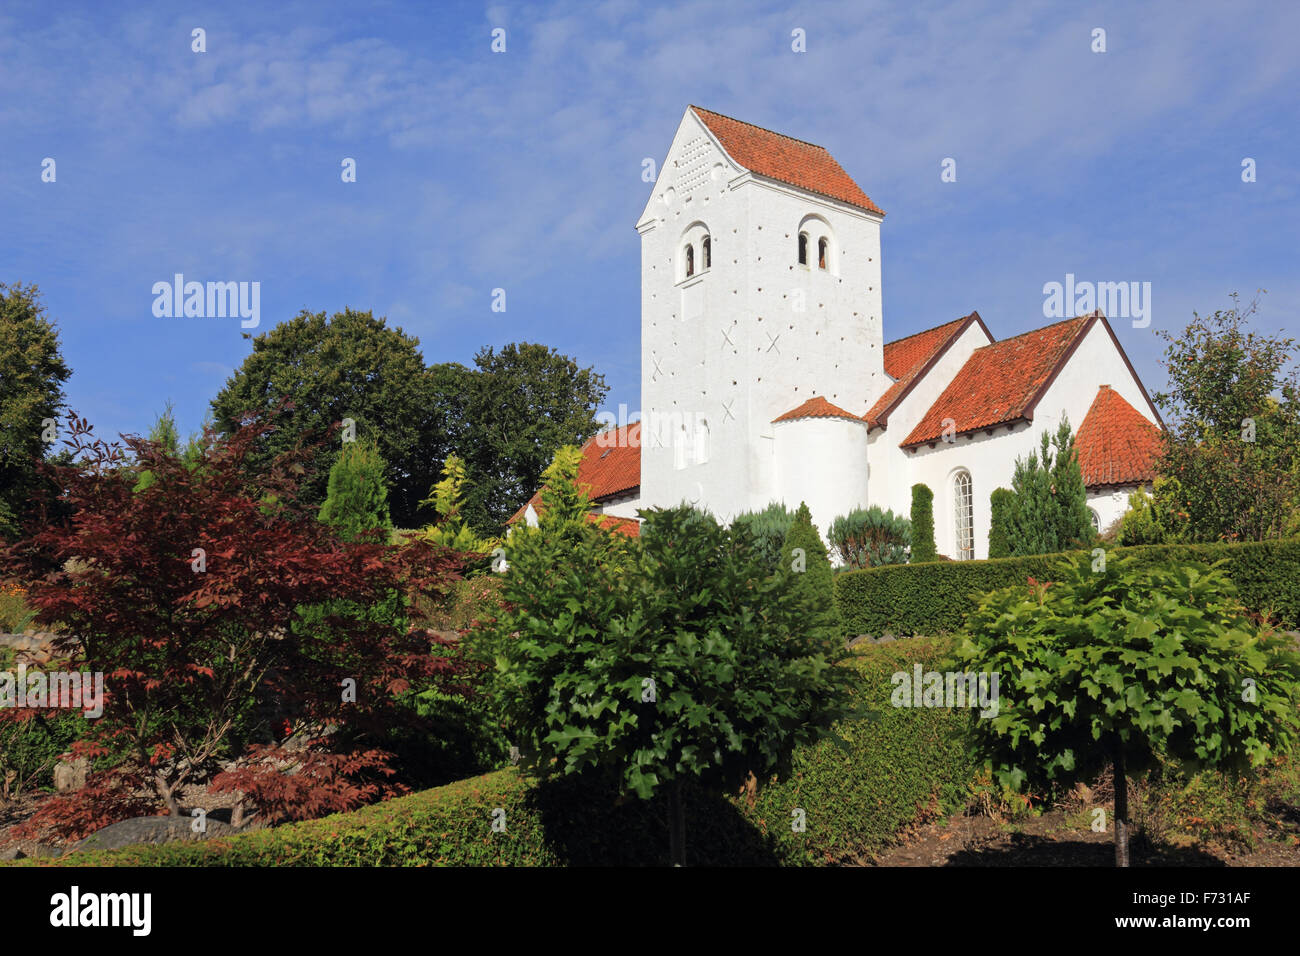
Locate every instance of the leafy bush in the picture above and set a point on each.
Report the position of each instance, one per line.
(31, 743)
(1125, 664)
(936, 598)
(1002, 502)
(805, 563)
(870, 537)
(15, 614)
(357, 498)
(923, 547)
(768, 529)
(1157, 518)
(895, 768)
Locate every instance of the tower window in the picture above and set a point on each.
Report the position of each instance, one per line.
(821, 252)
(803, 248)
(701, 442)
(706, 253)
(964, 516)
(690, 260)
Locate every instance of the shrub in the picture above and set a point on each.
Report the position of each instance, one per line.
(357, 499)
(1157, 518)
(809, 572)
(1123, 664)
(893, 769)
(768, 528)
(1001, 502)
(15, 614)
(936, 598)
(870, 537)
(923, 547)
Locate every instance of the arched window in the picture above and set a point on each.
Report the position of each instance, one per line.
(706, 252)
(822, 245)
(963, 516)
(803, 248)
(1096, 520)
(701, 442)
(690, 260)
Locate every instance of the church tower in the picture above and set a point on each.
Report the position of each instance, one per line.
(760, 290)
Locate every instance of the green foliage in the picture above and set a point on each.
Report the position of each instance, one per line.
(1050, 510)
(29, 749)
(870, 537)
(768, 529)
(448, 501)
(891, 771)
(520, 405)
(805, 562)
(357, 500)
(1157, 518)
(15, 612)
(1003, 503)
(936, 598)
(1233, 432)
(1131, 659)
(32, 373)
(686, 661)
(923, 546)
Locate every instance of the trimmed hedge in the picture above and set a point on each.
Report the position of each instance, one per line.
(935, 598)
(897, 764)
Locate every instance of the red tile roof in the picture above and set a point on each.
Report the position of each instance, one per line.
(610, 466)
(1117, 445)
(1000, 383)
(787, 160)
(815, 407)
(907, 360)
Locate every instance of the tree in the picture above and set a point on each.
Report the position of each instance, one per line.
(357, 499)
(1120, 664)
(923, 546)
(448, 500)
(524, 403)
(805, 562)
(32, 373)
(767, 529)
(1157, 518)
(349, 365)
(1050, 511)
(189, 595)
(1002, 503)
(870, 537)
(1233, 426)
(679, 660)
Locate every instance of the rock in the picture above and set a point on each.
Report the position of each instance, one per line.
(71, 776)
(151, 830)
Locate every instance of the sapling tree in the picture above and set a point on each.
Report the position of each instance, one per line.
(923, 546)
(682, 660)
(1116, 664)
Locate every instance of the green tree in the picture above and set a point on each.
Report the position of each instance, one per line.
(768, 529)
(1232, 436)
(923, 546)
(1120, 664)
(681, 660)
(1002, 502)
(805, 562)
(521, 405)
(1050, 511)
(357, 499)
(1157, 518)
(448, 500)
(349, 365)
(32, 373)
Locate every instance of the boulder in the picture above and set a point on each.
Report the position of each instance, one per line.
(71, 776)
(151, 830)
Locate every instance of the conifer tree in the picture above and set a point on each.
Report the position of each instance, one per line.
(357, 499)
(923, 547)
(803, 555)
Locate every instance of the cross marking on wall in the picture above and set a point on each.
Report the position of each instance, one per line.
(772, 339)
(726, 409)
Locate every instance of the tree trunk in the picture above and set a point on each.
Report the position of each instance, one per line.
(1121, 803)
(676, 824)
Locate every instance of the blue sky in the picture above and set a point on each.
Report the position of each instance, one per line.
(522, 170)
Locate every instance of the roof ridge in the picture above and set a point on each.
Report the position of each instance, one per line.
(933, 328)
(1044, 328)
(763, 128)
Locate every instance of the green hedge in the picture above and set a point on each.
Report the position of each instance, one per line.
(935, 598)
(898, 764)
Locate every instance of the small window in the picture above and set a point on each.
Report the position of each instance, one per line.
(1096, 520)
(803, 248)
(706, 253)
(964, 516)
(821, 252)
(690, 260)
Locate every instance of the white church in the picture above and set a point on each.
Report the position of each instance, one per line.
(765, 375)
